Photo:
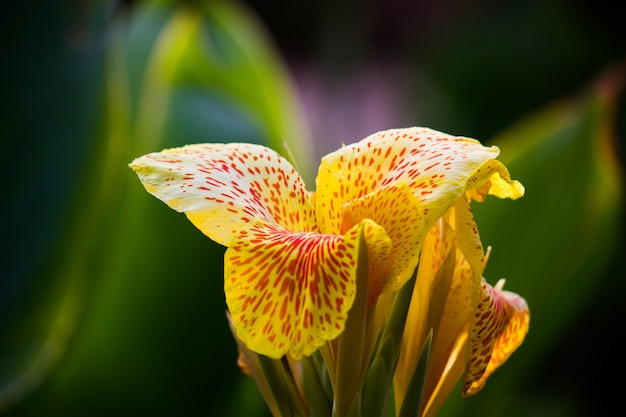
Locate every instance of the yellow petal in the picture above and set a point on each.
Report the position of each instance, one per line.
(290, 292)
(429, 295)
(498, 326)
(493, 178)
(450, 308)
(447, 358)
(442, 302)
(429, 298)
(403, 218)
(468, 238)
(379, 255)
(434, 165)
(221, 187)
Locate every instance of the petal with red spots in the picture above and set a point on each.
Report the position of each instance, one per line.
(436, 167)
(290, 292)
(468, 239)
(221, 187)
(498, 325)
(403, 218)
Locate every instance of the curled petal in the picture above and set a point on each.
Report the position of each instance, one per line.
(468, 239)
(498, 326)
(493, 178)
(290, 292)
(435, 166)
(224, 186)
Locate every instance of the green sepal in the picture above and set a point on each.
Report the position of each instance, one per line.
(353, 410)
(318, 400)
(380, 373)
(412, 402)
(283, 387)
(375, 388)
(323, 373)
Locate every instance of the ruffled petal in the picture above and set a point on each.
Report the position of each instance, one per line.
(498, 318)
(436, 167)
(498, 326)
(222, 187)
(493, 178)
(291, 292)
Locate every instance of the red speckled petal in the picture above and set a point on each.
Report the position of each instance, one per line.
(436, 167)
(403, 218)
(468, 239)
(291, 292)
(498, 326)
(221, 187)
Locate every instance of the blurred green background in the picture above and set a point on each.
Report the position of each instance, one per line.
(112, 304)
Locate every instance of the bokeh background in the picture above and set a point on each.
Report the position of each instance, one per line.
(112, 304)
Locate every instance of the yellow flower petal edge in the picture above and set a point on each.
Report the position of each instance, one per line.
(221, 187)
(436, 167)
(291, 292)
(498, 326)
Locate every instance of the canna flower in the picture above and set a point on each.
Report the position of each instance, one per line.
(295, 259)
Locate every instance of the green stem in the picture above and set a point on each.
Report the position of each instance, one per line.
(283, 387)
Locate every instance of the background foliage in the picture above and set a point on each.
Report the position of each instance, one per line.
(111, 304)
